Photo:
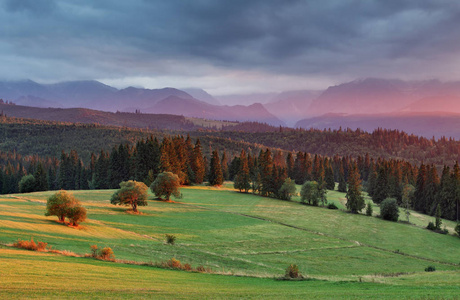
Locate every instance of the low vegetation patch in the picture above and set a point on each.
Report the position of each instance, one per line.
(430, 269)
(332, 206)
(292, 273)
(103, 254)
(31, 245)
(170, 239)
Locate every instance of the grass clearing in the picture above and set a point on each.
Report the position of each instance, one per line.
(232, 233)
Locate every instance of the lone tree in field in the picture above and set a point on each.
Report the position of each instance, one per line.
(132, 193)
(63, 204)
(355, 201)
(166, 184)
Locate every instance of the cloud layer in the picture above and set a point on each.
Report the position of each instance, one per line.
(229, 46)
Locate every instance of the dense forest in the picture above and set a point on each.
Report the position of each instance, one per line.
(380, 143)
(265, 172)
(87, 156)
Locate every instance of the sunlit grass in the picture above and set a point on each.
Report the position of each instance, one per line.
(239, 233)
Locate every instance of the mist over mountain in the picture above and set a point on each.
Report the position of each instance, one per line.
(98, 96)
(202, 95)
(291, 106)
(366, 103)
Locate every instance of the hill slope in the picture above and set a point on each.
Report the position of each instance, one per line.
(236, 233)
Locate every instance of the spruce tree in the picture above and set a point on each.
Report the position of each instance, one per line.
(381, 187)
(329, 177)
(342, 183)
(242, 180)
(41, 181)
(198, 163)
(215, 176)
(420, 189)
(224, 164)
(355, 201)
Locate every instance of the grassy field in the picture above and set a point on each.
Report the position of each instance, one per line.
(231, 233)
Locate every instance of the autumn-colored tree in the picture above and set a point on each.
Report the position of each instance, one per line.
(63, 204)
(166, 184)
(59, 203)
(132, 193)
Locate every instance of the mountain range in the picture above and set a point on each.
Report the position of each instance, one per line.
(365, 103)
(98, 96)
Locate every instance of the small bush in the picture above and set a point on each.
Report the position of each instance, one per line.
(94, 251)
(389, 210)
(170, 239)
(369, 209)
(173, 263)
(187, 267)
(332, 206)
(200, 269)
(107, 254)
(30, 245)
(457, 229)
(430, 269)
(431, 226)
(104, 254)
(292, 272)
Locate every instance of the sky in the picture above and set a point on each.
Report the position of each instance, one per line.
(229, 47)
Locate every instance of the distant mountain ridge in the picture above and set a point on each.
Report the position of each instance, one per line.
(98, 96)
(426, 124)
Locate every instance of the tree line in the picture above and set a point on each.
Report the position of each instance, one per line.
(270, 173)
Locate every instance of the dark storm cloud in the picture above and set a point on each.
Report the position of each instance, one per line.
(101, 39)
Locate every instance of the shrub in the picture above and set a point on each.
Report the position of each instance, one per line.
(104, 254)
(430, 269)
(174, 263)
(30, 245)
(457, 229)
(438, 221)
(369, 209)
(170, 239)
(431, 226)
(187, 267)
(389, 209)
(332, 206)
(94, 251)
(292, 272)
(200, 269)
(107, 254)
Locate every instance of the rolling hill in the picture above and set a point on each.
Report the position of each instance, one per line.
(343, 255)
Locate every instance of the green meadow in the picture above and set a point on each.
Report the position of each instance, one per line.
(247, 240)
